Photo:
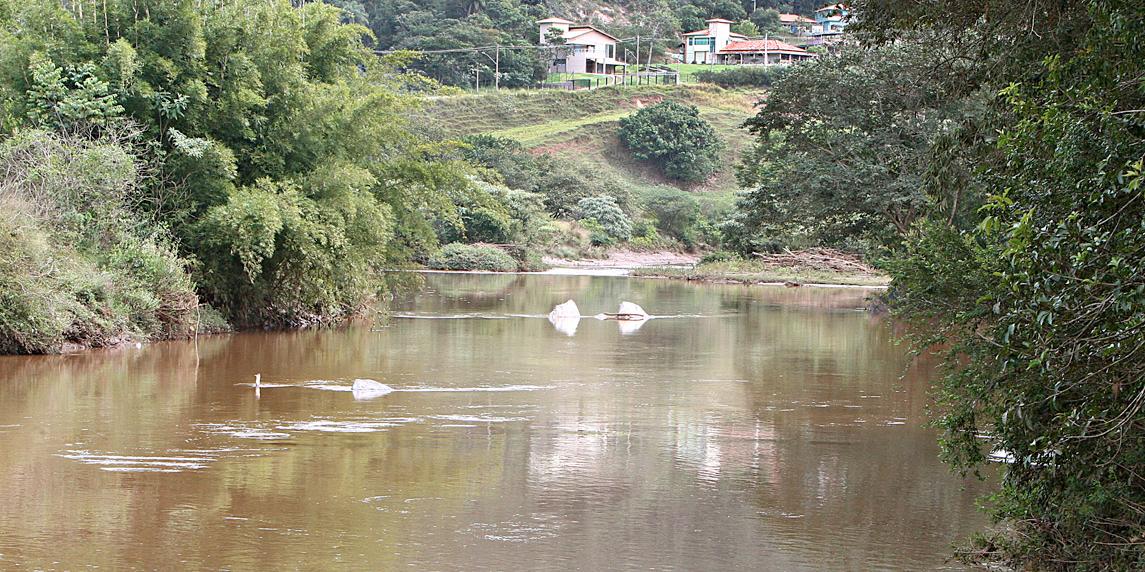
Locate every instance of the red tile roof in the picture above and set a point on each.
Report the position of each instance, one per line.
(760, 46)
(795, 19)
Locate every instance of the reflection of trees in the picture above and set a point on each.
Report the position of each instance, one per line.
(672, 441)
(473, 288)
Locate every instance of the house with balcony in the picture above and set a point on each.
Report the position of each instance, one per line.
(830, 21)
(703, 46)
(579, 48)
(797, 25)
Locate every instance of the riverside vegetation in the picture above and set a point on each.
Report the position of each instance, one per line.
(174, 167)
(994, 159)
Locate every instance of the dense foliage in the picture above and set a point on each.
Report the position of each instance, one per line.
(676, 138)
(843, 147)
(74, 265)
(999, 151)
(459, 256)
(603, 215)
(560, 184)
(283, 168)
(742, 76)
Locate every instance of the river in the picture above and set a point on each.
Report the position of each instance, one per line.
(743, 428)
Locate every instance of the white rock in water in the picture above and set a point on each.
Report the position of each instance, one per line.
(369, 389)
(567, 310)
(631, 309)
(566, 326)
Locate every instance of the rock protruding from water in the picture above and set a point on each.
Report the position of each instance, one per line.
(365, 389)
(565, 318)
(633, 310)
(567, 310)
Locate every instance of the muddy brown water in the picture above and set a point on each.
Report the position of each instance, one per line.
(750, 428)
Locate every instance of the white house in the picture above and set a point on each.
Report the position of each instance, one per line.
(585, 49)
(701, 46)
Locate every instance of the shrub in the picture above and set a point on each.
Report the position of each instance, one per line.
(559, 183)
(673, 136)
(676, 213)
(74, 266)
(507, 157)
(604, 211)
(719, 256)
(459, 256)
(742, 76)
(564, 184)
(283, 254)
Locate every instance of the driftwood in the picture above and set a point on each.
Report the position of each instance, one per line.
(816, 259)
(625, 317)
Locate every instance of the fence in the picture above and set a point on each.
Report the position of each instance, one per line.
(623, 80)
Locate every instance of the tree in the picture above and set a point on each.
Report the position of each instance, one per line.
(675, 137)
(285, 166)
(603, 212)
(747, 28)
(1042, 301)
(843, 143)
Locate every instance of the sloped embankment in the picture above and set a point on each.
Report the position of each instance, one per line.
(580, 127)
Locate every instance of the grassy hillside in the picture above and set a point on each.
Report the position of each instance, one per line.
(580, 127)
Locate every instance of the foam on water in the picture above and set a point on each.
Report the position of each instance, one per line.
(138, 463)
(478, 418)
(241, 431)
(493, 389)
(336, 426)
(451, 317)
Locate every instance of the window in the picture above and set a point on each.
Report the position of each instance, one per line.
(702, 41)
(610, 51)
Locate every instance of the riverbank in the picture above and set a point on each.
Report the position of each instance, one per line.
(809, 267)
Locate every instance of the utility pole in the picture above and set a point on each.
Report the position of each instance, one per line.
(496, 67)
(637, 53)
(766, 59)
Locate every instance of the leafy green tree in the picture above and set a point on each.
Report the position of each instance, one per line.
(285, 164)
(676, 138)
(605, 213)
(676, 213)
(747, 28)
(1041, 299)
(843, 145)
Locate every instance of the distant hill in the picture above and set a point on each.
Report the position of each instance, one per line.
(448, 31)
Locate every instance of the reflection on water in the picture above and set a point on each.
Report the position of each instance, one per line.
(743, 428)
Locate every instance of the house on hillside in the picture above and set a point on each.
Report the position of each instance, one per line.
(765, 52)
(701, 46)
(830, 21)
(579, 48)
(797, 25)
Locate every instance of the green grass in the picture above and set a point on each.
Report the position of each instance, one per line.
(753, 272)
(581, 126)
(536, 135)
